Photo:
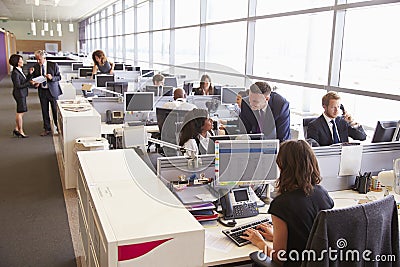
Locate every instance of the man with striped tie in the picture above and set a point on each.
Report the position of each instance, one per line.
(330, 128)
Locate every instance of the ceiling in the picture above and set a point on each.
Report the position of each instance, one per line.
(74, 10)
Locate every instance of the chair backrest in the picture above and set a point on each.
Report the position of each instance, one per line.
(352, 231)
(306, 122)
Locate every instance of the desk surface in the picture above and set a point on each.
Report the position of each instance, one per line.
(109, 128)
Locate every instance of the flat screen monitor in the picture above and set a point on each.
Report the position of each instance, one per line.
(152, 89)
(217, 89)
(119, 66)
(242, 162)
(136, 68)
(171, 81)
(85, 72)
(213, 139)
(396, 135)
(102, 79)
(128, 68)
(167, 91)
(229, 94)
(147, 73)
(384, 131)
(138, 101)
(76, 66)
(118, 87)
(188, 87)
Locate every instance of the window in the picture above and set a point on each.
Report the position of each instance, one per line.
(187, 12)
(161, 14)
(271, 7)
(129, 20)
(118, 24)
(217, 9)
(143, 17)
(161, 47)
(143, 47)
(294, 47)
(187, 46)
(129, 47)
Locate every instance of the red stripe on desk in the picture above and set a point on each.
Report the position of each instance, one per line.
(133, 251)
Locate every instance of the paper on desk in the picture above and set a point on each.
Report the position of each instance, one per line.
(350, 160)
(219, 242)
(39, 79)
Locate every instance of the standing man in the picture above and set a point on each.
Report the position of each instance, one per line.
(330, 128)
(49, 90)
(266, 112)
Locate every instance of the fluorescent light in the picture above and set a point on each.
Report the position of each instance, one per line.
(59, 27)
(36, 2)
(59, 33)
(33, 26)
(46, 26)
(71, 27)
(42, 32)
(51, 33)
(34, 32)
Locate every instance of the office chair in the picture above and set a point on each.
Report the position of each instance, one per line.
(372, 226)
(306, 122)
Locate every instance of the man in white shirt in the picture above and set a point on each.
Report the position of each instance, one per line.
(179, 101)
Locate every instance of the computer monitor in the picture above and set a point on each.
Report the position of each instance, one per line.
(171, 81)
(208, 102)
(102, 79)
(167, 91)
(76, 66)
(229, 94)
(217, 89)
(118, 87)
(396, 135)
(188, 87)
(85, 72)
(152, 89)
(119, 66)
(384, 131)
(136, 68)
(138, 101)
(213, 139)
(244, 162)
(128, 68)
(147, 73)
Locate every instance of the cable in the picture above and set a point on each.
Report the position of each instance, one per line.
(227, 224)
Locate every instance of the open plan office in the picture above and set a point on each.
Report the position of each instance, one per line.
(146, 199)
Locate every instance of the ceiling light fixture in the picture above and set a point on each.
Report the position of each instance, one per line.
(58, 24)
(33, 24)
(51, 29)
(45, 25)
(70, 25)
(36, 2)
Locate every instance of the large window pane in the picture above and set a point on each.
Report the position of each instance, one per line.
(103, 28)
(161, 47)
(186, 45)
(293, 48)
(143, 47)
(217, 10)
(143, 17)
(129, 46)
(129, 20)
(221, 48)
(271, 7)
(118, 50)
(187, 12)
(110, 25)
(371, 54)
(110, 52)
(118, 24)
(161, 14)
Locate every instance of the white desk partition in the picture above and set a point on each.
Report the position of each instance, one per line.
(129, 218)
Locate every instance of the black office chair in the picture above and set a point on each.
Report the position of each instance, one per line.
(372, 226)
(306, 122)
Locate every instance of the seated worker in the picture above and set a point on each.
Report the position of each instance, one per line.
(196, 131)
(330, 128)
(158, 80)
(205, 86)
(293, 211)
(266, 112)
(179, 101)
(101, 63)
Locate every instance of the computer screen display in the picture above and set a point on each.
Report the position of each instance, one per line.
(119, 66)
(171, 81)
(213, 139)
(147, 73)
(85, 72)
(76, 66)
(152, 89)
(217, 89)
(188, 87)
(118, 87)
(241, 162)
(102, 79)
(138, 101)
(167, 91)
(384, 131)
(229, 94)
(396, 135)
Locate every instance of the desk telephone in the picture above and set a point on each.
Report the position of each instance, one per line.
(237, 203)
(114, 117)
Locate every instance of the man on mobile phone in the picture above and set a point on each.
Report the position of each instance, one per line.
(330, 128)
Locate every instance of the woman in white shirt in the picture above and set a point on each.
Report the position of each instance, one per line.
(196, 132)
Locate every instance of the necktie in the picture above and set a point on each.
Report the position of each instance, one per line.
(43, 73)
(335, 133)
(262, 120)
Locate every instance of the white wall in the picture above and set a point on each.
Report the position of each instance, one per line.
(22, 31)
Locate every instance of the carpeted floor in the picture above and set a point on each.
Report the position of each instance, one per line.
(34, 228)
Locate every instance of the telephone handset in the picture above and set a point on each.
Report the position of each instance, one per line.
(236, 203)
(114, 117)
(342, 108)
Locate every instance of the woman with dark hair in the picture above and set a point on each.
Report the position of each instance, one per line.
(196, 132)
(205, 86)
(20, 91)
(295, 208)
(101, 63)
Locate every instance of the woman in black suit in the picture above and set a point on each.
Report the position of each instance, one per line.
(205, 86)
(20, 91)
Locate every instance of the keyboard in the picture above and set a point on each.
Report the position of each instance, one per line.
(235, 233)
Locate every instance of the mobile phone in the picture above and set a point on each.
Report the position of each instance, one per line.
(342, 108)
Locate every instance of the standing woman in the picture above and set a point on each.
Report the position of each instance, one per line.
(101, 63)
(20, 91)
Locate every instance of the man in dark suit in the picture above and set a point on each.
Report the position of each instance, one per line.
(49, 90)
(266, 112)
(330, 128)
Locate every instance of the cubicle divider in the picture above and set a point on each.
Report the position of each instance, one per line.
(102, 104)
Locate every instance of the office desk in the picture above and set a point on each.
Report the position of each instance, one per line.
(109, 128)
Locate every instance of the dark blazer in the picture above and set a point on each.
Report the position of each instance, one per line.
(277, 111)
(20, 83)
(52, 68)
(319, 131)
(200, 91)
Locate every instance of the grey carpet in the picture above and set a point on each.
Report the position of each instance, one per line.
(34, 228)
